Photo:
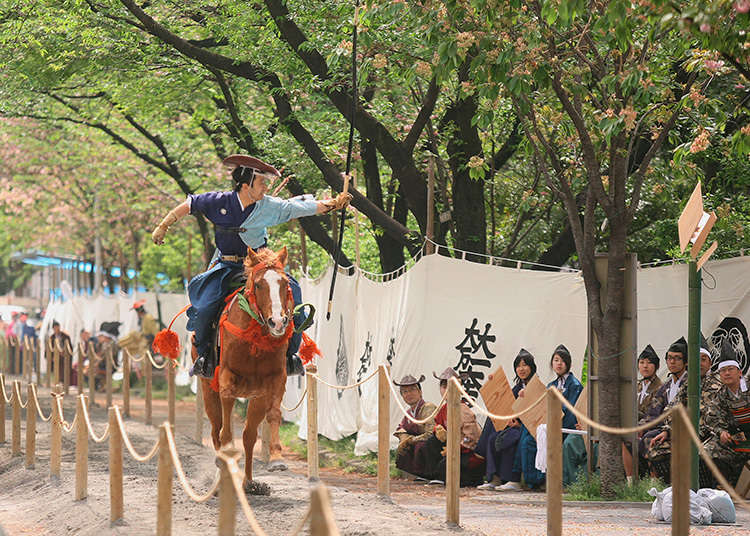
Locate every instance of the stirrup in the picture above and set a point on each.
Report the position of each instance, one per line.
(202, 368)
(294, 366)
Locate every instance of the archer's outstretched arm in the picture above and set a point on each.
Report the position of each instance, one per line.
(175, 215)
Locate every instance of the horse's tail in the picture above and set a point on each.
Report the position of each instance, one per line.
(308, 349)
(166, 342)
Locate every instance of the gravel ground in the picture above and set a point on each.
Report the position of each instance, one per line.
(31, 504)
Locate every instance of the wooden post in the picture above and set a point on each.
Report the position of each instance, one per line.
(82, 452)
(430, 227)
(56, 354)
(49, 355)
(126, 383)
(312, 425)
(16, 426)
(554, 465)
(28, 358)
(116, 511)
(681, 477)
(384, 433)
(149, 376)
(92, 375)
(79, 374)
(164, 486)
(199, 411)
(67, 358)
(453, 454)
(227, 497)
(109, 357)
(171, 392)
(55, 455)
(17, 357)
(38, 362)
(30, 427)
(265, 441)
(322, 522)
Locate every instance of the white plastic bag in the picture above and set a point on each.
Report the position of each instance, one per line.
(700, 514)
(656, 506)
(720, 504)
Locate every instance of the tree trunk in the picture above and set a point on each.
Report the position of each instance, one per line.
(608, 335)
(391, 251)
(468, 194)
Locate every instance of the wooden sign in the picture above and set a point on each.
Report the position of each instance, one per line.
(498, 397)
(703, 231)
(531, 394)
(690, 217)
(706, 255)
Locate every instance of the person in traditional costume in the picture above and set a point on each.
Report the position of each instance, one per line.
(676, 359)
(241, 218)
(660, 449)
(729, 419)
(412, 436)
(147, 323)
(648, 364)
(472, 464)
(498, 448)
(574, 447)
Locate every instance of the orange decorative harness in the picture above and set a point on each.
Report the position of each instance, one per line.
(256, 334)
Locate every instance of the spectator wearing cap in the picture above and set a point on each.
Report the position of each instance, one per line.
(472, 464)
(660, 450)
(729, 419)
(676, 359)
(648, 365)
(499, 447)
(241, 218)
(147, 323)
(574, 448)
(412, 436)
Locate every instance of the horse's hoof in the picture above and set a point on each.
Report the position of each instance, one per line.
(277, 465)
(253, 487)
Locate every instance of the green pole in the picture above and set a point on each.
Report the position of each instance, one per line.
(694, 377)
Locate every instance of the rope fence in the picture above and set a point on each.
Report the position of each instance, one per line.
(228, 480)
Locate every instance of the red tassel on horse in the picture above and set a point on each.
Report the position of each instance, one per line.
(308, 349)
(167, 343)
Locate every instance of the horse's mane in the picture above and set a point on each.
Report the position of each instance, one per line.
(265, 256)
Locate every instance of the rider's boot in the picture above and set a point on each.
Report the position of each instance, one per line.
(203, 367)
(294, 365)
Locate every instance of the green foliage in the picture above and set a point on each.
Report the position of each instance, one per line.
(590, 489)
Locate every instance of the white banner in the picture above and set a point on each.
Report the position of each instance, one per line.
(442, 313)
(725, 311)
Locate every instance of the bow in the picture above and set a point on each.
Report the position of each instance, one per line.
(337, 257)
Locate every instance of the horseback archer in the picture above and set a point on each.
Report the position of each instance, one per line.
(241, 218)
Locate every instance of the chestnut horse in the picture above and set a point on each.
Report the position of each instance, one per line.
(255, 328)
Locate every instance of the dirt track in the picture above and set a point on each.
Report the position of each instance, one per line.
(31, 504)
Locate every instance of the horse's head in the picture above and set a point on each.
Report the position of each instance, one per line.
(268, 285)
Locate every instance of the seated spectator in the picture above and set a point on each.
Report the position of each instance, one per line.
(571, 389)
(498, 448)
(411, 436)
(648, 364)
(676, 359)
(660, 448)
(574, 448)
(472, 464)
(729, 419)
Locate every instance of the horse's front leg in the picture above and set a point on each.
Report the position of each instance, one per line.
(256, 410)
(225, 436)
(276, 461)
